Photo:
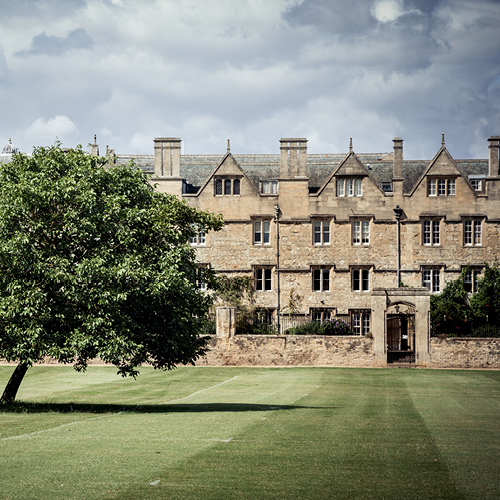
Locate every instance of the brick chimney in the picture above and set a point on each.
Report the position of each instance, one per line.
(293, 159)
(167, 156)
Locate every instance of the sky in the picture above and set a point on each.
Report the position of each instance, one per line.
(252, 71)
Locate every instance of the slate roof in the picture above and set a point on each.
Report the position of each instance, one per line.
(196, 169)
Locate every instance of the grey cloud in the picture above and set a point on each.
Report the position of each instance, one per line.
(28, 8)
(345, 17)
(44, 44)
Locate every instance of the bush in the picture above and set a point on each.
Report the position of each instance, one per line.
(328, 327)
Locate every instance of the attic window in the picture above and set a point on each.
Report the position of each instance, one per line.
(227, 186)
(387, 187)
(269, 186)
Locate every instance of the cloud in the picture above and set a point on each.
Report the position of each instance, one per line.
(387, 10)
(44, 44)
(43, 132)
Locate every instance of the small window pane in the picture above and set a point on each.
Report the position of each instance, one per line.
(257, 238)
(326, 280)
(317, 232)
(227, 186)
(432, 187)
(441, 187)
(218, 186)
(236, 186)
(451, 187)
(267, 279)
(365, 280)
(358, 187)
(317, 280)
(267, 232)
(326, 232)
(340, 187)
(349, 187)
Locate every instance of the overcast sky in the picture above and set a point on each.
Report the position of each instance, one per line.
(252, 71)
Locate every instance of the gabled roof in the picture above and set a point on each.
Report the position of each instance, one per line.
(196, 169)
(214, 172)
(359, 169)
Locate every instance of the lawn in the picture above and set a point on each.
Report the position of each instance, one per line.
(255, 433)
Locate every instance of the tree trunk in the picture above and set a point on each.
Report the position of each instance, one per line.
(9, 394)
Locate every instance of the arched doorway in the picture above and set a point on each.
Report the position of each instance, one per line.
(401, 333)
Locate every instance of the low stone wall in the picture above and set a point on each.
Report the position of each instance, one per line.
(465, 353)
(280, 350)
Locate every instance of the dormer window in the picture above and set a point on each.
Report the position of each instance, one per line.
(269, 186)
(441, 187)
(349, 187)
(227, 187)
(477, 182)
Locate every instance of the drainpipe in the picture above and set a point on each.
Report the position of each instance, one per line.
(278, 290)
(398, 212)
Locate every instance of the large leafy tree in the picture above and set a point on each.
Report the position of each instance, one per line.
(95, 264)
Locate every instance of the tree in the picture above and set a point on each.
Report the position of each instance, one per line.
(95, 264)
(457, 311)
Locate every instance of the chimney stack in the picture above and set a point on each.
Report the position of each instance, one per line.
(493, 164)
(397, 169)
(293, 154)
(167, 156)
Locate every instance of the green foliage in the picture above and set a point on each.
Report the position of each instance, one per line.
(328, 327)
(486, 302)
(458, 313)
(95, 263)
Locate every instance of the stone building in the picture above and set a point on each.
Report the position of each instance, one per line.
(365, 237)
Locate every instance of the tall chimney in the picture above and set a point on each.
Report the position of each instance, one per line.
(397, 169)
(167, 156)
(493, 163)
(293, 158)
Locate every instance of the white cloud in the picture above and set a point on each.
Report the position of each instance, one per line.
(387, 10)
(45, 132)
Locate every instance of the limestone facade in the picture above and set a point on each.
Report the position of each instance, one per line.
(333, 230)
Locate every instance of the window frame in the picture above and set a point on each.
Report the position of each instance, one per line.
(471, 279)
(360, 321)
(349, 187)
(360, 232)
(200, 238)
(227, 186)
(321, 279)
(360, 279)
(261, 236)
(473, 232)
(441, 187)
(431, 279)
(321, 314)
(431, 232)
(263, 278)
(321, 232)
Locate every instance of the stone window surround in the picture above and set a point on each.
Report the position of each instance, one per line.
(360, 278)
(263, 277)
(431, 230)
(321, 230)
(441, 186)
(261, 230)
(221, 183)
(360, 230)
(360, 321)
(349, 186)
(321, 313)
(472, 277)
(432, 277)
(200, 238)
(472, 228)
(321, 278)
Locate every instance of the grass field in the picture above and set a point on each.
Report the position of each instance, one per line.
(255, 433)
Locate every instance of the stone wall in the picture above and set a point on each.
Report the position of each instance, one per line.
(465, 353)
(264, 350)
